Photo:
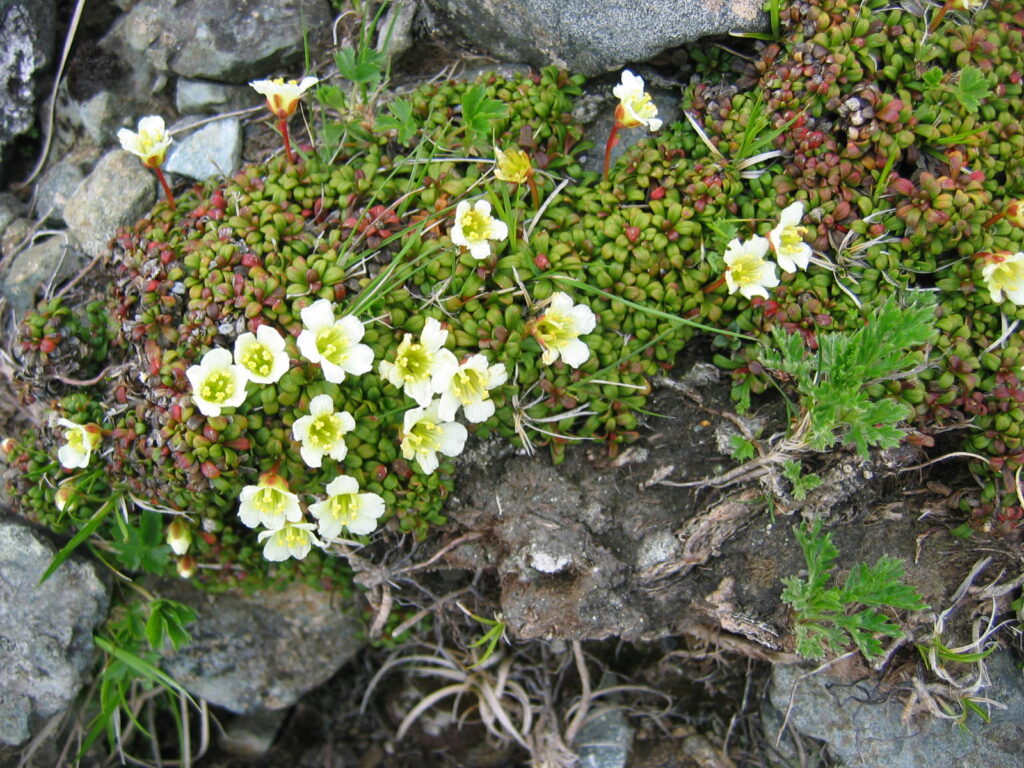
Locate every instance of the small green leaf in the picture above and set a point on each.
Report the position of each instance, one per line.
(742, 449)
(971, 88)
(932, 77)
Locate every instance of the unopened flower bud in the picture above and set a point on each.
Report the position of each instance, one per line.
(179, 537)
(187, 567)
(64, 496)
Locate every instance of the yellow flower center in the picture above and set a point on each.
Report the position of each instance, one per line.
(470, 386)
(1007, 275)
(258, 359)
(325, 430)
(476, 225)
(555, 331)
(746, 270)
(344, 507)
(792, 237)
(219, 387)
(424, 437)
(413, 363)
(76, 439)
(332, 344)
(293, 536)
(270, 501)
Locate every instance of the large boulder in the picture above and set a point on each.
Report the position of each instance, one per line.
(862, 725)
(26, 45)
(45, 629)
(263, 651)
(593, 36)
(117, 193)
(229, 41)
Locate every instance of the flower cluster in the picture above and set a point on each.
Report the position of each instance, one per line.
(750, 273)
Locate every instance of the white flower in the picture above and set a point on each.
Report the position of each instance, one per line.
(283, 95)
(179, 537)
(262, 355)
(346, 507)
(474, 227)
(747, 270)
(82, 440)
(559, 328)
(217, 383)
(269, 503)
(1004, 271)
(333, 343)
(422, 368)
(635, 105)
(424, 433)
(787, 239)
(150, 143)
(290, 540)
(469, 388)
(323, 431)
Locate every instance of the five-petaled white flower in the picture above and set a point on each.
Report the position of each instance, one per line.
(150, 143)
(787, 239)
(635, 105)
(424, 433)
(345, 507)
(217, 382)
(470, 387)
(323, 431)
(82, 440)
(291, 540)
(262, 355)
(475, 228)
(1004, 273)
(559, 329)
(747, 269)
(269, 503)
(333, 343)
(283, 95)
(422, 368)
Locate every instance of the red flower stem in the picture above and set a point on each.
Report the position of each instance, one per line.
(994, 219)
(167, 189)
(283, 125)
(712, 286)
(937, 19)
(534, 194)
(613, 139)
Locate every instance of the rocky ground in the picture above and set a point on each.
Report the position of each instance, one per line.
(639, 592)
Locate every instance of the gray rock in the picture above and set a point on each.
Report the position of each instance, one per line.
(10, 209)
(45, 629)
(195, 97)
(98, 116)
(214, 149)
(864, 729)
(26, 45)
(117, 193)
(227, 40)
(260, 652)
(15, 235)
(252, 736)
(604, 742)
(55, 188)
(594, 36)
(51, 260)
